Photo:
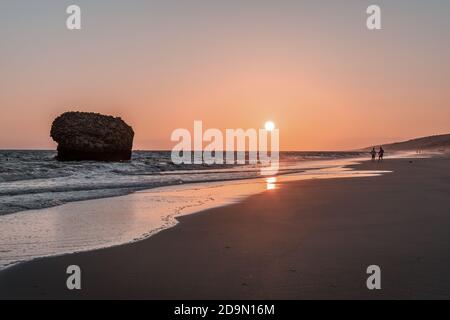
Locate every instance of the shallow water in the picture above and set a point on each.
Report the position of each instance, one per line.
(34, 179)
(100, 223)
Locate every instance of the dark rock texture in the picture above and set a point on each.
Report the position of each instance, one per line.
(92, 136)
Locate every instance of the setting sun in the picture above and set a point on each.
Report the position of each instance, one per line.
(265, 147)
(269, 126)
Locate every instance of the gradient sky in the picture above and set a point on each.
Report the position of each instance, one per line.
(310, 66)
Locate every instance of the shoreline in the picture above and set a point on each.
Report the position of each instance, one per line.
(121, 188)
(16, 278)
(222, 196)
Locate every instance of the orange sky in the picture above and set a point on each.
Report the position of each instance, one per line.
(316, 71)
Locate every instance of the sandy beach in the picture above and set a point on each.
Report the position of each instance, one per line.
(191, 151)
(301, 240)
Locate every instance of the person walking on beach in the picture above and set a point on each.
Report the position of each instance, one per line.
(381, 154)
(373, 153)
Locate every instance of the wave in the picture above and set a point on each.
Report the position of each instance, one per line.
(35, 180)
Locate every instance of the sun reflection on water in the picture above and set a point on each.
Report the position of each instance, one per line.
(271, 183)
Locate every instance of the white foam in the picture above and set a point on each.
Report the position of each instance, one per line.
(100, 223)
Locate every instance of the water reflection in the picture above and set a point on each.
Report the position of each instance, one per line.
(94, 224)
(271, 183)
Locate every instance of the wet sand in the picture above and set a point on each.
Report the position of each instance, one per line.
(303, 239)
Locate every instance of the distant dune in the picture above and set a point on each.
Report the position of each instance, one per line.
(431, 143)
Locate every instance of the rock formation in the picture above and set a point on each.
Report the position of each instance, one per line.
(92, 136)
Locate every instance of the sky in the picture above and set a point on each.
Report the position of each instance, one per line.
(312, 67)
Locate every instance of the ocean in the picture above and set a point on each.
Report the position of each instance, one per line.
(35, 180)
(50, 208)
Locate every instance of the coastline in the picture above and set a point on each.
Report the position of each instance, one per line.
(219, 253)
(88, 225)
(34, 180)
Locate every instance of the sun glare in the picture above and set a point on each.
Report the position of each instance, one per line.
(271, 183)
(269, 126)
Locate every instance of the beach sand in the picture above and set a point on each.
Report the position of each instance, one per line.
(302, 240)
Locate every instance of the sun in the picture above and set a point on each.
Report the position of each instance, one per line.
(269, 126)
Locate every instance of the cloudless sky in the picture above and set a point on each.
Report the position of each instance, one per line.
(310, 66)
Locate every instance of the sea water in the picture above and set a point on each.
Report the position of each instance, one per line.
(50, 208)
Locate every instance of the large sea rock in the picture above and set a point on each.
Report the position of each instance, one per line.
(92, 136)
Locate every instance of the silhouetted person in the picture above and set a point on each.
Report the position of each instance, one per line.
(381, 154)
(373, 153)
